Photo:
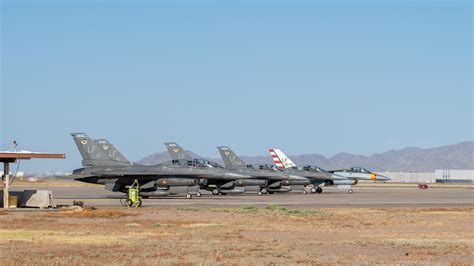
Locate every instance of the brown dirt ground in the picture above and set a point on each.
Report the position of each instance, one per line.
(249, 235)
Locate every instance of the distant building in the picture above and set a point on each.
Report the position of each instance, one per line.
(18, 174)
(439, 176)
(454, 176)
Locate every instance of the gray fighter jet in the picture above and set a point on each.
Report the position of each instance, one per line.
(113, 154)
(278, 181)
(317, 175)
(103, 164)
(215, 185)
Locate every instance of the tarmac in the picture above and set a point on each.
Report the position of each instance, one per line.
(380, 196)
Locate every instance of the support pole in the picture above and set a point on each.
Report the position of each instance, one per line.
(6, 184)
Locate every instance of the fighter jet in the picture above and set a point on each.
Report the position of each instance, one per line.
(115, 155)
(216, 185)
(277, 181)
(359, 173)
(103, 164)
(317, 175)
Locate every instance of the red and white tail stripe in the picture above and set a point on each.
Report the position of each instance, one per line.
(277, 160)
(281, 160)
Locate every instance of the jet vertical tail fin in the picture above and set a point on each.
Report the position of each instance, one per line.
(281, 160)
(176, 152)
(87, 148)
(231, 160)
(92, 154)
(111, 152)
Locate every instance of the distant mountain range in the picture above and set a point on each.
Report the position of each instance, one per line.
(457, 156)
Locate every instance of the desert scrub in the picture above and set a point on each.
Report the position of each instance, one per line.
(188, 209)
(273, 209)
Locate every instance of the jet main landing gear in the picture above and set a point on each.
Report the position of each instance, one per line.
(217, 192)
(316, 190)
(262, 191)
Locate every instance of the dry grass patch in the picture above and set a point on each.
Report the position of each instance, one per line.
(57, 237)
(268, 235)
(271, 209)
(432, 243)
(92, 212)
(462, 211)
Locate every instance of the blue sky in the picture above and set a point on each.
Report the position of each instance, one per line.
(305, 76)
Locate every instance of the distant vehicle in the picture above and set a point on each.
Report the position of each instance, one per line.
(317, 175)
(359, 173)
(277, 181)
(217, 185)
(103, 164)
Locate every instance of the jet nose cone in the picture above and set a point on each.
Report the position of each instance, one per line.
(86, 179)
(382, 178)
(231, 175)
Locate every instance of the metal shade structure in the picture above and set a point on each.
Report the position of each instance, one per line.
(7, 157)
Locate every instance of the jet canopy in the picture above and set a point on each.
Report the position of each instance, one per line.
(360, 170)
(356, 170)
(260, 166)
(308, 168)
(267, 167)
(313, 168)
(197, 163)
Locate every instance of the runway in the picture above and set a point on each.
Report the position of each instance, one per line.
(364, 197)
